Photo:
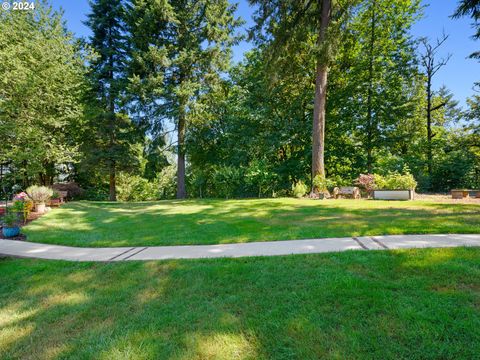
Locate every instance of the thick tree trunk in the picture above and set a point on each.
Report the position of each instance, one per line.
(321, 75)
(113, 182)
(181, 191)
(318, 144)
(111, 125)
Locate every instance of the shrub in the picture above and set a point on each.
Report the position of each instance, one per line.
(366, 182)
(74, 191)
(135, 188)
(198, 181)
(23, 207)
(39, 194)
(280, 193)
(97, 193)
(320, 183)
(259, 179)
(337, 180)
(18, 206)
(10, 219)
(166, 182)
(299, 189)
(227, 181)
(395, 181)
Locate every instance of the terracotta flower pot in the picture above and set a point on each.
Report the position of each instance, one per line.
(40, 208)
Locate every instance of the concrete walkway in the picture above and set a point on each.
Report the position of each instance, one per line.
(267, 248)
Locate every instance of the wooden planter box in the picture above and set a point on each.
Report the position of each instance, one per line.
(393, 194)
(460, 194)
(55, 202)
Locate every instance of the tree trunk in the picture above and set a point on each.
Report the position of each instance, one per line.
(111, 126)
(113, 182)
(181, 191)
(370, 124)
(321, 74)
(429, 126)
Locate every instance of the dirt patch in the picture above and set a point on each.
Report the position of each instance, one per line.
(446, 198)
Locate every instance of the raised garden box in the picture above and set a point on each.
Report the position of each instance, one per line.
(393, 194)
(464, 193)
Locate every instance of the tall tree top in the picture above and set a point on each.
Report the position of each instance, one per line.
(470, 8)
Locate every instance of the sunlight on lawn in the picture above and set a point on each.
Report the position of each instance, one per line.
(432, 258)
(302, 306)
(73, 298)
(101, 224)
(15, 313)
(221, 346)
(12, 334)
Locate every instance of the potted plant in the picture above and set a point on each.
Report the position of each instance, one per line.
(55, 200)
(10, 225)
(394, 186)
(39, 195)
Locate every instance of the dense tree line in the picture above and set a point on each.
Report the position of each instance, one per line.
(150, 106)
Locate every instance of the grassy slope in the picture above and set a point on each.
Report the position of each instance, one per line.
(228, 221)
(416, 304)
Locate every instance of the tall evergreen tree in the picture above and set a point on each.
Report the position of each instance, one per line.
(188, 47)
(383, 70)
(110, 135)
(289, 27)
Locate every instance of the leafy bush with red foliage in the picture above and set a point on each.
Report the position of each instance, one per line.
(73, 189)
(366, 182)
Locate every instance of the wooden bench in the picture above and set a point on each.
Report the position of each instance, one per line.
(464, 193)
(347, 191)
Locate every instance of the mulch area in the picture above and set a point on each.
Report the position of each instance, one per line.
(20, 237)
(32, 216)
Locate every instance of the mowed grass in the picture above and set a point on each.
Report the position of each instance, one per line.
(415, 304)
(229, 221)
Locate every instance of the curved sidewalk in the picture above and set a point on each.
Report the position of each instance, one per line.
(268, 248)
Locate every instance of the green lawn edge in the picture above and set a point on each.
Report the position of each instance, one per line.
(200, 222)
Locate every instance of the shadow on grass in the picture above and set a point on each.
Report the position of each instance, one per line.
(343, 305)
(230, 221)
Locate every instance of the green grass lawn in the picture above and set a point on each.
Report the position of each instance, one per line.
(415, 304)
(228, 221)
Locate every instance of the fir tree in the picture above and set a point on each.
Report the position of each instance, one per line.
(110, 135)
(180, 49)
